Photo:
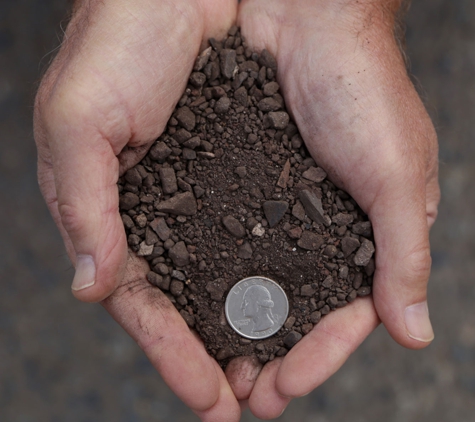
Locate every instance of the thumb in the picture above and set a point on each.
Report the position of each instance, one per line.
(78, 173)
(401, 232)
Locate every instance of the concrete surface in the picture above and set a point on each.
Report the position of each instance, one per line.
(61, 360)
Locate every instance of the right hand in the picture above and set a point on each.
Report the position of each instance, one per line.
(106, 97)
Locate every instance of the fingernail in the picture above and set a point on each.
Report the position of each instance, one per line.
(85, 273)
(418, 324)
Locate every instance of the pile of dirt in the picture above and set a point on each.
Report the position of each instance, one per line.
(230, 191)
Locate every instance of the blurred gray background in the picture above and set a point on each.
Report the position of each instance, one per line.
(62, 360)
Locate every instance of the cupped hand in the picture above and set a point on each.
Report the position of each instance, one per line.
(345, 83)
(105, 98)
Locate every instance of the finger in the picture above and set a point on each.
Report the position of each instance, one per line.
(265, 401)
(152, 321)
(226, 408)
(324, 350)
(242, 373)
(403, 261)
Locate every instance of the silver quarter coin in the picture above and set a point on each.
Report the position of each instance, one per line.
(256, 307)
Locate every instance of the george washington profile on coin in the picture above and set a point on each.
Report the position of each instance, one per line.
(257, 305)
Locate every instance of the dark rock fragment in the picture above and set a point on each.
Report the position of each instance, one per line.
(245, 251)
(233, 226)
(267, 59)
(249, 66)
(222, 105)
(284, 176)
(160, 152)
(181, 135)
(202, 59)
(342, 219)
(362, 228)
(180, 204)
(275, 211)
(357, 281)
(276, 120)
(188, 154)
(192, 143)
(295, 232)
(313, 206)
(315, 174)
(216, 289)
(330, 251)
(189, 319)
(315, 317)
(291, 339)
(241, 96)
(133, 177)
(298, 211)
(176, 287)
(197, 79)
(224, 353)
(186, 118)
(364, 291)
(168, 180)
(179, 254)
(310, 241)
(160, 226)
(128, 201)
(227, 61)
(154, 278)
(268, 104)
(241, 171)
(364, 253)
(349, 245)
(307, 290)
(270, 89)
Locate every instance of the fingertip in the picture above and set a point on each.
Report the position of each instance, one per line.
(225, 407)
(96, 277)
(265, 401)
(418, 325)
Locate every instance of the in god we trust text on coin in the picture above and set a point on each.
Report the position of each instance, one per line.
(256, 307)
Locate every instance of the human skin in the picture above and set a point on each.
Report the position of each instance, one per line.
(345, 83)
(108, 95)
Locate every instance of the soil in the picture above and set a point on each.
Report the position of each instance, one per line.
(229, 191)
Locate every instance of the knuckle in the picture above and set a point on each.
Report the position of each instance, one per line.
(71, 220)
(417, 266)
